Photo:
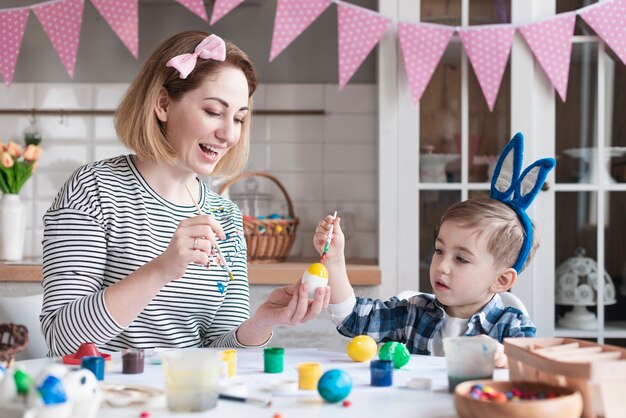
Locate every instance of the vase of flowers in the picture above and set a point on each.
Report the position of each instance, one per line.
(16, 167)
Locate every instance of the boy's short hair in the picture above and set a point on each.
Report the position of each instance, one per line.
(505, 233)
(136, 123)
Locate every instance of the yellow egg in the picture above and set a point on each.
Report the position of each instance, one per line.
(315, 276)
(362, 348)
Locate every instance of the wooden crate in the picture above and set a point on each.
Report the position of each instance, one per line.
(597, 371)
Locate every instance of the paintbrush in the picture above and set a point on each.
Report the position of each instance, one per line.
(257, 401)
(219, 251)
(329, 237)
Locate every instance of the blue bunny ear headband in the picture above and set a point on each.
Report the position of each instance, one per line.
(518, 191)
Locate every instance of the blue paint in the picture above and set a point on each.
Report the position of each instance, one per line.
(95, 364)
(221, 287)
(381, 372)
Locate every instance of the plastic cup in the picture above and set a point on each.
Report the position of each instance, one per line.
(229, 357)
(191, 379)
(381, 372)
(273, 359)
(308, 375)
(95, 364)
(132, 360)
(468, 358)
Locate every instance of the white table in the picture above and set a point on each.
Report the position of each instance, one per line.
(367, 401)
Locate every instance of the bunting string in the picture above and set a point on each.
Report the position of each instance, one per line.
(359, 31)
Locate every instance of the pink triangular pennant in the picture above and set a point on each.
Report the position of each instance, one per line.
(359, 31)
(292, 18)
(488, 49)
(122, 16)
(12, 25)
(223, 7)
(551, 43)
(196, 6)
(608, 20)
(61, 22)
(422, 48)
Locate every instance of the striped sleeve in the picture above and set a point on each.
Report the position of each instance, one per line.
(74, 248)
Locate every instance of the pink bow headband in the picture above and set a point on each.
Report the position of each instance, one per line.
(211, 47)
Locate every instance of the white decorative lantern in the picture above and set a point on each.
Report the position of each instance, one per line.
(577, 285)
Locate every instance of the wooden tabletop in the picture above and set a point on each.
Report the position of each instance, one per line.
(360, 272)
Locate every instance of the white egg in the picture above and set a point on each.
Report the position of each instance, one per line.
(315, 276)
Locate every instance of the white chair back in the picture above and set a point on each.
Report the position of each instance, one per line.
(508, 299)
(25, 310)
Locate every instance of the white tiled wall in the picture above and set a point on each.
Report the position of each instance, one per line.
(326, 162)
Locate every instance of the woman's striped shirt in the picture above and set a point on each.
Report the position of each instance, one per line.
(104, 224)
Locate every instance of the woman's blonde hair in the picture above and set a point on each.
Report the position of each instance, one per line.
(505, 232)
(136, 123)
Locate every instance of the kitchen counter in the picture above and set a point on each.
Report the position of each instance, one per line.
(360, 272)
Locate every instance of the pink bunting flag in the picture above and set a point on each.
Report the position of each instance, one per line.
(608, 20)
(359, 31)
(422, 48)
(122, 16)
(196, 6)
(292, 18)
(551, 43)
(488, 49)
(61, 21)
(223, 7)
(12, 25)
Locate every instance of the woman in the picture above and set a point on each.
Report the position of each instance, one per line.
(128, 261)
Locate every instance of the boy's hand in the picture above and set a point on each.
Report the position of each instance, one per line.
(337, 242)
(499, 359)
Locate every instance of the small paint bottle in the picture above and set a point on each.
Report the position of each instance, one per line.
(229, 357)
(132, 361)
(308, 375)
(95, 364)
(381, 372)
(273, 358)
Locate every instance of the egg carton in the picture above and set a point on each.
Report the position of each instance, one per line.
(597, 371)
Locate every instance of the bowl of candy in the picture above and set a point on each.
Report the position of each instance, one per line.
(490, 399)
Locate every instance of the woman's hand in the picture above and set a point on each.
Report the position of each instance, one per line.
(337, 242)
(290, 305)
(191, 243)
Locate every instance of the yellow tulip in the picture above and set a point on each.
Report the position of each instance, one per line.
(7, 160)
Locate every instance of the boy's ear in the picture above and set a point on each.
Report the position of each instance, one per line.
(504, 281)
(162, 105)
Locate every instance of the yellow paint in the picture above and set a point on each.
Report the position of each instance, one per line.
(319, 270)
(308, 375)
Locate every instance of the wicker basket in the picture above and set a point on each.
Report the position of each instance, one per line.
(268, 240)
(13, 339)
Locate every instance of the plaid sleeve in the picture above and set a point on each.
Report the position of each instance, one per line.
(513, 324)
(381, 320)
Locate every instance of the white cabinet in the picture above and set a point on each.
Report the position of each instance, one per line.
(452, 118)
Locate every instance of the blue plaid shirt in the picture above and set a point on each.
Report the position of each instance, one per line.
(416, 321)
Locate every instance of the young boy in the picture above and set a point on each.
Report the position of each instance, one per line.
(481, 246)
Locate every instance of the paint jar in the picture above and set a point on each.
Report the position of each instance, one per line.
(95, 364)
(191, 379)
(308, 375)
(273, 359)
(132, 361)
(229, 357)
(468, 358)
(381, 372)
